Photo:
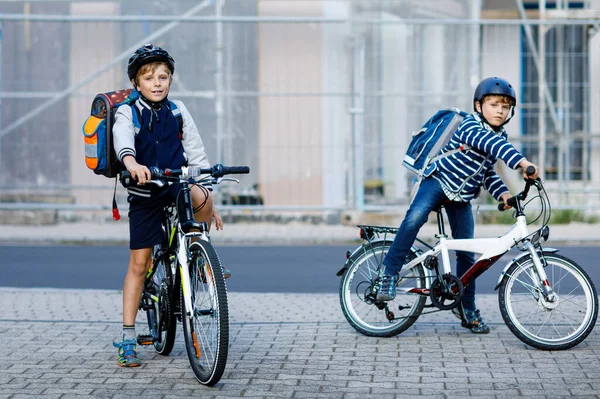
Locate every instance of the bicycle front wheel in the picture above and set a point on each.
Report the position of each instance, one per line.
(206, 324)
(357, 294)
(549, 323)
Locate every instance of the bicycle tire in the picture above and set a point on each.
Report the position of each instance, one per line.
(166, 323)
(206, 327)
(545, 325)
(364, 315)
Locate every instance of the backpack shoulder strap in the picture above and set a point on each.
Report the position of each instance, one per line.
(177, 114)
(136, 116)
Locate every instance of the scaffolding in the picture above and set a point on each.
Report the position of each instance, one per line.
(323, 127)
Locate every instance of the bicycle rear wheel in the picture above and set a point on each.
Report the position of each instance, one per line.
(165, 323)
(357, 295)
(206, 324)
(549, 324)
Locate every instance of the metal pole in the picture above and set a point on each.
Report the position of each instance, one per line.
(36, 111)
(545, 93)
(358, 115)
(592, 20)
(1, 174)
(475, 41)
(560, 99)
(586, 115)
(541, 90)
(219, 79)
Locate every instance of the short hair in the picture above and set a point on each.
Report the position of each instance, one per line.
(151, 67)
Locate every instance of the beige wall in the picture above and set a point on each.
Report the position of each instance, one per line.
(83, 62)
(290, 127)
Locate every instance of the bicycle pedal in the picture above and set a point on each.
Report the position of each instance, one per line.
(145, 339)
(146, 306)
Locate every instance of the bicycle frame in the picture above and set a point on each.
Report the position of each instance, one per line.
(491, 249)
(179, 243)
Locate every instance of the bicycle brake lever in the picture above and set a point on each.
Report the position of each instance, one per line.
(158, 183)
(220, 179)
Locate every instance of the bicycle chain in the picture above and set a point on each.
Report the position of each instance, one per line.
(426, 305)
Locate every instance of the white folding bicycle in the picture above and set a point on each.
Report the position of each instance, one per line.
(548, 301)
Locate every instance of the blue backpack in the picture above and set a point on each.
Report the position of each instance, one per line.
(426, 144)
(100, 154)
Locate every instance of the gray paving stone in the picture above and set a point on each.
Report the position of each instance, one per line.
(312, 354)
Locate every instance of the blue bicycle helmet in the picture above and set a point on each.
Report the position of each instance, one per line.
(146, 54)
(493, 86)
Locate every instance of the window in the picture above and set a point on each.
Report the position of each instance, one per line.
(566, 70)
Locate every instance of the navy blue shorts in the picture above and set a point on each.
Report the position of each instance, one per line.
(146, 215)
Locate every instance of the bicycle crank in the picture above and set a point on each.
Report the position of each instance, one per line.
(446, 292)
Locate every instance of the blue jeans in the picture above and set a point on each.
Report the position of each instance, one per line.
(460, 216)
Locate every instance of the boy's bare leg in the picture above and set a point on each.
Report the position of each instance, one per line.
(207, 213)
(198, 197)
(139, 262)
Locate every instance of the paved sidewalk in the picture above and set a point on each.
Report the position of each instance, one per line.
(57, 344)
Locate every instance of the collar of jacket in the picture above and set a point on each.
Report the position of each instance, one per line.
(151, 105)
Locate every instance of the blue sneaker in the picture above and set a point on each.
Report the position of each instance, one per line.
(127, 354)
(387, 288)
(471, 319)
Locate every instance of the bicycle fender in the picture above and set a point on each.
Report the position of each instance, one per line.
(516, 259)
(350, 259)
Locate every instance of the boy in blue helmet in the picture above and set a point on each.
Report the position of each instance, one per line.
(457, 179)
(164, 142)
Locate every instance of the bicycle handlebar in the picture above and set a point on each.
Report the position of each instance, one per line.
(513, 201)
(216, 171)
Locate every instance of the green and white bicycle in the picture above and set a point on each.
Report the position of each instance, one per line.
(185, 281)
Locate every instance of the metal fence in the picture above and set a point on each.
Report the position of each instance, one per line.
(319, 98)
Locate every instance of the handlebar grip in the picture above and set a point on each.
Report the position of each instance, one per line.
(236, 170)
(126, 179)
(530, 170)
(512, 201)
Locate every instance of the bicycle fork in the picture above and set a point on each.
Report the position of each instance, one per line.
(541, 283)
(183, 257)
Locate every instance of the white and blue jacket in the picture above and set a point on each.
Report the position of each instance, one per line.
(464, 172)
(156, 142)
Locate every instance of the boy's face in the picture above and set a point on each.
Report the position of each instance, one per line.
(154, 83)
(494, 109)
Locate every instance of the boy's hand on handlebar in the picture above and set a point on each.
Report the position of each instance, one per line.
(504, 198)
(524, 164)
(217, 218)
(138, 172)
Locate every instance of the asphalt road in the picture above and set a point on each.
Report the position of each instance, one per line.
(294, 269)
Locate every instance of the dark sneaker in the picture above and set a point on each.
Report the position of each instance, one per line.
(387, 288)
(127, 354)
(471, 319)
(226, 272)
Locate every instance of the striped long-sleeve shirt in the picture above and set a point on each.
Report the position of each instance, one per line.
(463, 173)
